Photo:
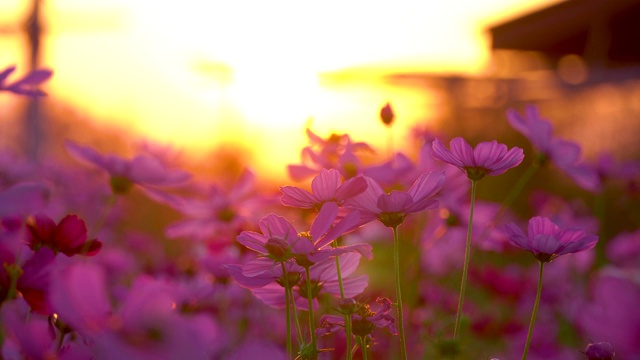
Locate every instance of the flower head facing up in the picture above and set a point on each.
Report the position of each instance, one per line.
(391, 209)
(546, 241)
(488, 158)
(69, 236)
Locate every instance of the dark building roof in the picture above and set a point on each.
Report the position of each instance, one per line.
(604, 32)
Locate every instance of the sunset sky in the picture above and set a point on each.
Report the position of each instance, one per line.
(209, 72)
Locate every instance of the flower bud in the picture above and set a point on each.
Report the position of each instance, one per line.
(599, 351)
(386, 114)
(278, 249)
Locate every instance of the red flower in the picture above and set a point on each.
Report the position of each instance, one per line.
(69, 236)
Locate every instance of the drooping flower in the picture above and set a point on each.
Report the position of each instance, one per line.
(565, 155)
(144, 170)
(391, 209)
(546, 241)
(487, 158)
(326, 186)
(27, 84)
(69, 236)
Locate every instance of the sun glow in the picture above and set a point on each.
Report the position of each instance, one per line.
(253, 73)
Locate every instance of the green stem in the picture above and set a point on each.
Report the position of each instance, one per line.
(347, 317)
(396, 260)
(467, 255)
(534, 313)
(288, 310)
(363, 346)
(310, 300)
(296, 321)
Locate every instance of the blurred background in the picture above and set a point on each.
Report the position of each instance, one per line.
(243, 80)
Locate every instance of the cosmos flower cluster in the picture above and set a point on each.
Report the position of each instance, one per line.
(108, 257)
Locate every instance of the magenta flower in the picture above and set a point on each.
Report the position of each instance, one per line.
(546, 241)
(488, 158)
(326, 186)
(336, 152)
(144, 170)
(26, 85)
(313, 246)
(363, 319)
(563, 154)
(69, 236)
(391, 209)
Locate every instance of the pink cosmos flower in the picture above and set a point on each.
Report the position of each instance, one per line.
(26, 85)
(565, 155)
(336, 152)
(144, 170)
(326, 186)
(546, 241)
(220, 214)
(313, 246)
(363, 319)
(69, 236)
(391, 209)
(488, 158)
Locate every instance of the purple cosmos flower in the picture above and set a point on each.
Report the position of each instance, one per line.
(26, 85)
(326, 186)
(391, 209)
(564, 154)
(488, 158)
(546, 241)
(69, 236)
(363, 319)
(144, 170)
